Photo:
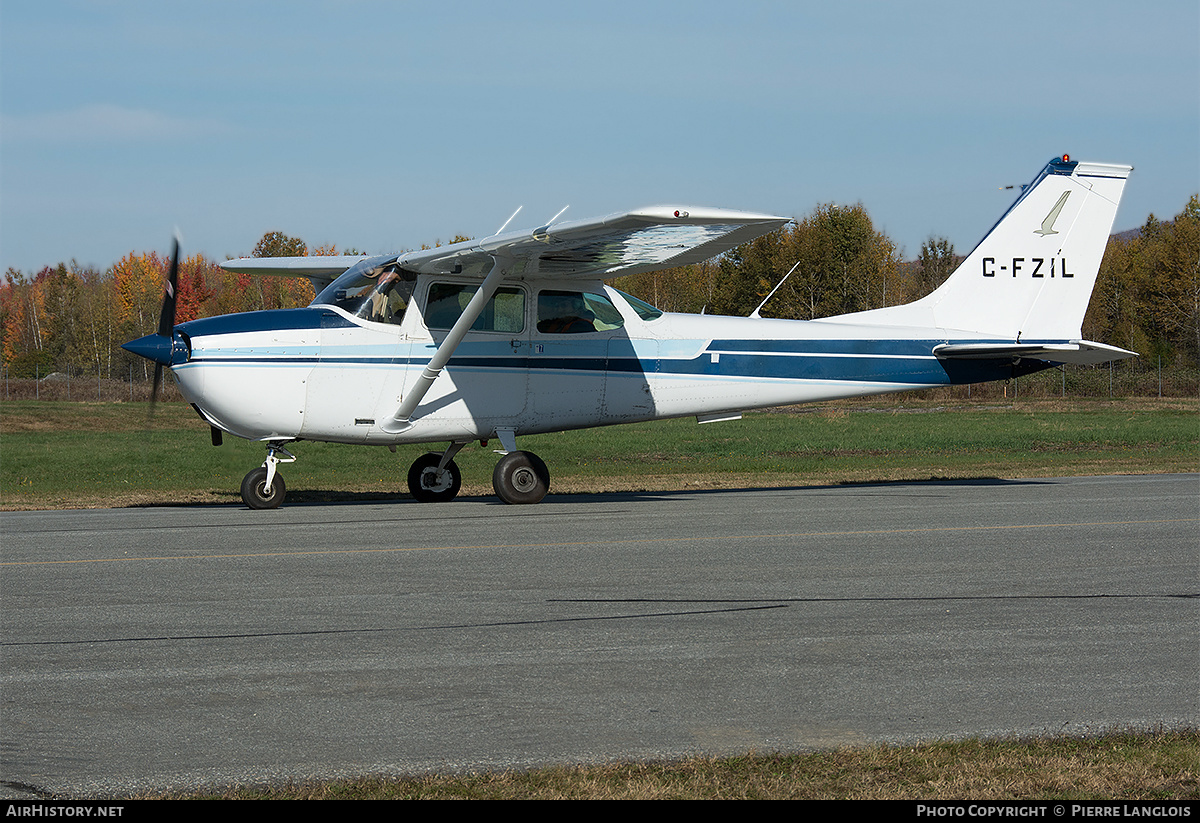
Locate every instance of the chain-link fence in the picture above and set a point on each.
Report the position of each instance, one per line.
(1135, 377)
(135, 386)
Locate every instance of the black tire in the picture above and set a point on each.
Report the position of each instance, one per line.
(521, 478)
(425, 486)
(253, 494)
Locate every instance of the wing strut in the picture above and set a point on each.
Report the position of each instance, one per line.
(402, 420)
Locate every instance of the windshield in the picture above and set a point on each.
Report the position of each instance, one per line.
(372, 289)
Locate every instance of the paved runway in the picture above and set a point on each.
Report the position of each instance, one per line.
(176, 647)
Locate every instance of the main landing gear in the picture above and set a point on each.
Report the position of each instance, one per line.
(519, 477)
(434, 478)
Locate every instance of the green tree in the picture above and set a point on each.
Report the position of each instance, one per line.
(937, 261)
(746, 274)
(842, 265)
(278, 244)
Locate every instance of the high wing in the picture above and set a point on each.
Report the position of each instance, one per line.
(619, 244)
(320, 270)
(627, 243)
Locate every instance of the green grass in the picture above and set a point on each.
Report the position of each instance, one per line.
(1130, 766)
(65, 454)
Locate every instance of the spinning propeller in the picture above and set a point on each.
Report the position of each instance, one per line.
(166, 319)
(161, 346)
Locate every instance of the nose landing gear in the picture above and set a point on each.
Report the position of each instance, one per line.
(263, 488)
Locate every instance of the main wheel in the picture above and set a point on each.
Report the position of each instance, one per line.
(427, 486)
(254, 490)
(521, 477)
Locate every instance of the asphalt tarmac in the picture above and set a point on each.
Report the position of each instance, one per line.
(171, 648)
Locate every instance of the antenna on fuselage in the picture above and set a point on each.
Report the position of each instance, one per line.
(755, 313)
(509, 220)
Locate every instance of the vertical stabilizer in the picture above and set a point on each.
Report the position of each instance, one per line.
(1031, 277)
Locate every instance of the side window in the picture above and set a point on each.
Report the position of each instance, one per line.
(644, 310)
(505, 312)
(573, 312)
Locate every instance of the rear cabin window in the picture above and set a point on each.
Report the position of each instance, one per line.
(505, 312)
(644, 310)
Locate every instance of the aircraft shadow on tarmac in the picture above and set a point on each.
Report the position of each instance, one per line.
(319, 497)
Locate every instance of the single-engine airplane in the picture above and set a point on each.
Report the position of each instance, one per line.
(516, 334)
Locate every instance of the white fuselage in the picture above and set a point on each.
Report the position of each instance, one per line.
(322, 373)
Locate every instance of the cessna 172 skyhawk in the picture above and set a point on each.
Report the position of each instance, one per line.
(517, 334)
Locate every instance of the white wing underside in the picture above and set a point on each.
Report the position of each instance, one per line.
(628, 243)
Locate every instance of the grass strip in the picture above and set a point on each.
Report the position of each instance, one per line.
(80, 455)
(1127, 765)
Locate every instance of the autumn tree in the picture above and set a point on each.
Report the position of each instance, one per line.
(138, 281)
(24, 321)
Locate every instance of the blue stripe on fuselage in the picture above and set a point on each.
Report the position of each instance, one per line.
(891, 361)
(269, 320)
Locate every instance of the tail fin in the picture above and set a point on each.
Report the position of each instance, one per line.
(1031, 278)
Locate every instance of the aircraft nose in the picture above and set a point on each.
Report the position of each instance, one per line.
(158, 348)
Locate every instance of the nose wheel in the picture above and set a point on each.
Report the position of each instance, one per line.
(263, 488)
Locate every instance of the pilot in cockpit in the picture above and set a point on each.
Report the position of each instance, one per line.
(387, 303)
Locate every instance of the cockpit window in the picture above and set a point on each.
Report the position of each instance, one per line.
(573, 312)
(379, 293)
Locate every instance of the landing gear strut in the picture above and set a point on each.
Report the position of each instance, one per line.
(263, 488)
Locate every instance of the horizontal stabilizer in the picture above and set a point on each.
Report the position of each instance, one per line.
(1077, 353)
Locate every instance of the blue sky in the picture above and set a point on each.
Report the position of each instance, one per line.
(385, 125)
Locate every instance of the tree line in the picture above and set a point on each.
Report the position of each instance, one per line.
(72, 318)
(1146, 299)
